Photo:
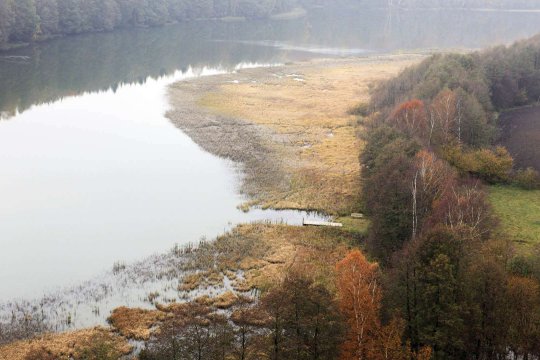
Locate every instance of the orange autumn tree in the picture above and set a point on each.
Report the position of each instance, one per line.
(359, 299)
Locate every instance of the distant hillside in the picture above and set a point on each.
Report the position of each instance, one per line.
(429, 4)
(467, 4)
(23, 21)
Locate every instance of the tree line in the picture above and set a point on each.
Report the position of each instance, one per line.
(467, 4)
(457, 283)
(431, 4)
(23, 21)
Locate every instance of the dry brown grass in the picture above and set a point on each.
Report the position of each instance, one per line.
(191, 282)
(63, 346)
(307, 107)
(258, 255)
(135, 323)
(226, 300)
(264, 253)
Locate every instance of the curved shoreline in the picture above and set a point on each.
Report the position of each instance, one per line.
(289, 127)
(254, 255)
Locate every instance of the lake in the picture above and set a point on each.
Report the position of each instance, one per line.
(91, 172)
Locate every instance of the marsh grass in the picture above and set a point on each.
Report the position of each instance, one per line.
(66, 345)
(292, 125)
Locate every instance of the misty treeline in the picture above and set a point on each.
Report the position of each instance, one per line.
(25, 21)
(458, 284)
(29, 20)
(463, 4)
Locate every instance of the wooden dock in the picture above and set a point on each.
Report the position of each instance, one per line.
(320, 223)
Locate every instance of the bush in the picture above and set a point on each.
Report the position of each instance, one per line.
(493, 166)
(527, 179)
(361, 109)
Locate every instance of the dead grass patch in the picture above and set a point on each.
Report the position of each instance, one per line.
(262, 253)
(63, 346)
(135, 323)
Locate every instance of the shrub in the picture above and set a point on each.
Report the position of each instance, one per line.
(361, 109)
(493, 166)
(527, 179)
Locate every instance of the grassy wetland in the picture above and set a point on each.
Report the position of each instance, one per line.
(291, 131)
(291, 127)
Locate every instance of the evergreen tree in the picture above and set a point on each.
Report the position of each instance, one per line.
(25, 21)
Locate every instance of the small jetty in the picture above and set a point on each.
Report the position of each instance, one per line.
(320, 223)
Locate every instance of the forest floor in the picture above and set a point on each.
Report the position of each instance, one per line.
(291, 130)
(290, 127)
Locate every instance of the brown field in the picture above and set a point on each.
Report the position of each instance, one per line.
(289, 126)
(521, 136)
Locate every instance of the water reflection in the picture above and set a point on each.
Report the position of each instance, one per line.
(103, 177)
(70, 66)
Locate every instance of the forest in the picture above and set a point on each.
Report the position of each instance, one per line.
(24, 21)
(461, 287)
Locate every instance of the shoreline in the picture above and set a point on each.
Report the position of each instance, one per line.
(288, 127)
(293, 14)
(255, 255)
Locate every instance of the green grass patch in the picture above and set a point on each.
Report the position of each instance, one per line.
(519, 212)
(355, 226)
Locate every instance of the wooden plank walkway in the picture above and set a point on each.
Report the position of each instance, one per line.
(320, 223)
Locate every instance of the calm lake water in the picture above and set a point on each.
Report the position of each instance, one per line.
(91, 172)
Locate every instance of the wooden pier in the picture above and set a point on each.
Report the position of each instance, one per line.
(320, 223)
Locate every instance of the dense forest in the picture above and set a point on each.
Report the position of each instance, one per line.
(28, 20)
(461, 288)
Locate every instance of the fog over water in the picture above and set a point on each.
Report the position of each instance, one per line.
(91, 171)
